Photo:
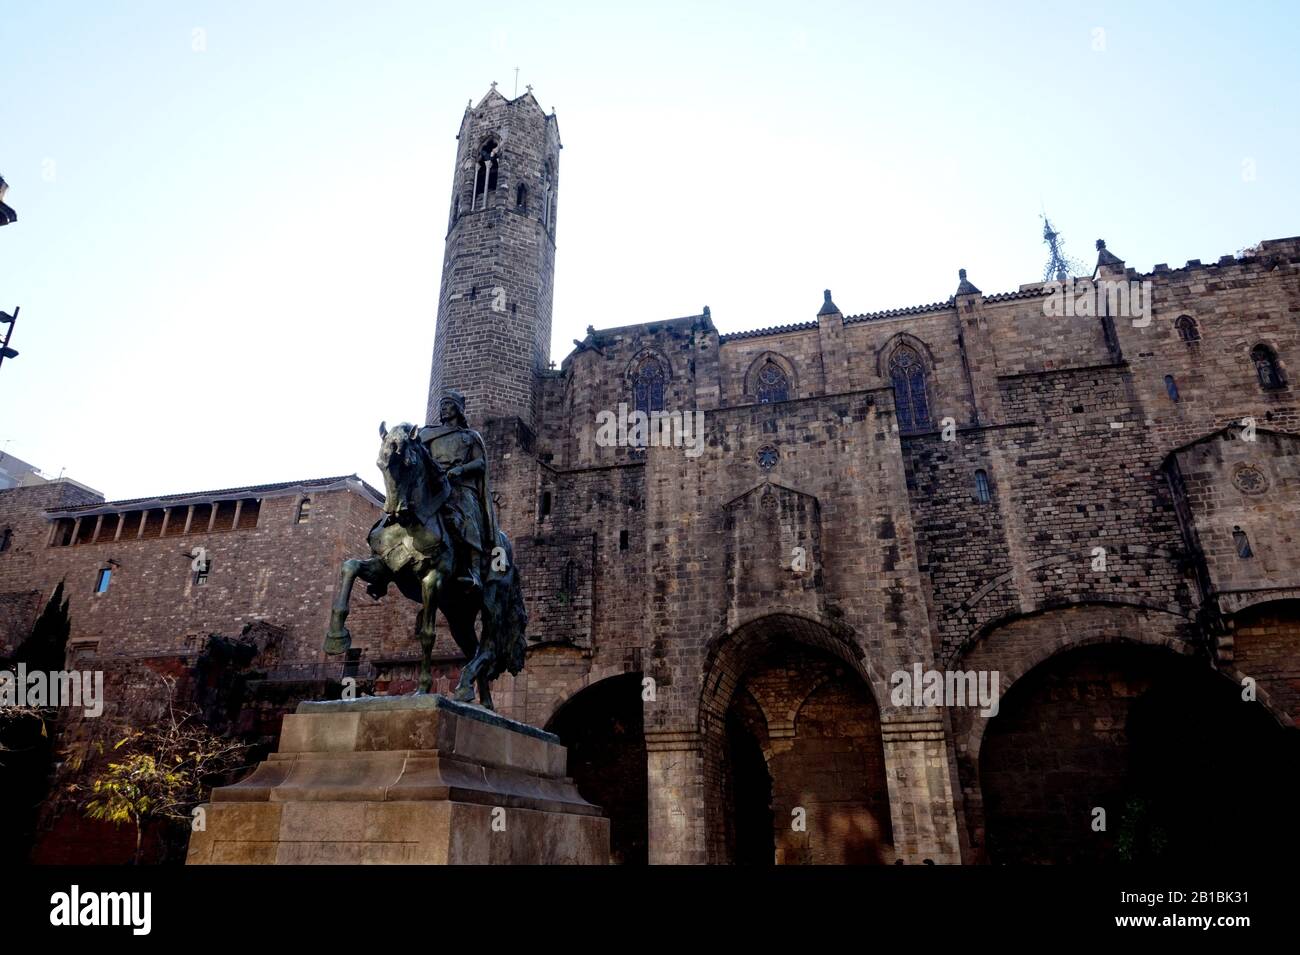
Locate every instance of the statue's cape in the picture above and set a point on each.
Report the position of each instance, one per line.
(481, 484)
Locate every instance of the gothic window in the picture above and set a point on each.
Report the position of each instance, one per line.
(548, 199)
(982, 486)
(908, 377)
(1171, 387)
(1267, 368)
(648, 386)
(485, 173)
(1242, 543)
(1187, 329)
(772, 384)
(304, 511)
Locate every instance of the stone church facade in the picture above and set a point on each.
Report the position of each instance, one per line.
(1096, 509)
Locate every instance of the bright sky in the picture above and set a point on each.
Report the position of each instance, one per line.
(228, 238)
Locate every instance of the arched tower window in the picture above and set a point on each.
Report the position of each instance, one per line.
(982, 486)
(1242, 543)
(548, 200)
(485, 173)
(772, 384)
(648, 386)
(521, 198)
(304, 511)
(569, 581)
(907, 374)
(1171, 387)
(1266, 367)
(1187, 329)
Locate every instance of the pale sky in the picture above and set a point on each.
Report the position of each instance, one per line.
(231, 215)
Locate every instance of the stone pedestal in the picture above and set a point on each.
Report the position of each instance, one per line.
(410, 779)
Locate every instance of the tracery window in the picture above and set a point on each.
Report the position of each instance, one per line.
(648, 386)
(772, 384)
(907, 373)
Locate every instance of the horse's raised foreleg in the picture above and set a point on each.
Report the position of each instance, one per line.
(373, 570)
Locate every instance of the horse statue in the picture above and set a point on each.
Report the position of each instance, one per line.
(411, 547)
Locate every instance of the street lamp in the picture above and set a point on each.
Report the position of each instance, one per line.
(7, 214)
(11, 321)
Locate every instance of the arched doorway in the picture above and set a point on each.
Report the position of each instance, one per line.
(1185, 770)
(603, 728)
(794, 763)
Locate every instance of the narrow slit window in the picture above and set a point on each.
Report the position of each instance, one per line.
(103, 579)
(1171, 388)
(1267, 367)
(304, 511)
(982, 486)
(1242, 543)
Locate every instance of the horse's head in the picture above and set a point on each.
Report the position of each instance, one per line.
(410, 473)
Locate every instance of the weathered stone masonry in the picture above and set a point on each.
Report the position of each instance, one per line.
(1095, 508)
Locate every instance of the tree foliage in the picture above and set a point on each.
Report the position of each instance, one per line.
(163, 771)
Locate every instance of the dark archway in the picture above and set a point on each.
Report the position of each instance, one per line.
(603, 728)
(749, 792)
(1185, 769)
(794, 689)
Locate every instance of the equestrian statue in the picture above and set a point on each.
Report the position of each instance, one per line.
(438, 541)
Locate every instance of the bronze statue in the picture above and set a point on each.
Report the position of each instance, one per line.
(431, 542)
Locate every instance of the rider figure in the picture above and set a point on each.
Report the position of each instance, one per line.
(468, 511)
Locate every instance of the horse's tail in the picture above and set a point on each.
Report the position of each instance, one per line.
(505, 617)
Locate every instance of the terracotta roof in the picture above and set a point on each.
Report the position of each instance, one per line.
(772, 330)
(254, 490)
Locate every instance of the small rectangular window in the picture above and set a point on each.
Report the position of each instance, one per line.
(201, 575)
(622, 540)
(101, 582)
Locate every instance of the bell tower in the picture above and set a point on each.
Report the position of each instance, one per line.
(494, 310)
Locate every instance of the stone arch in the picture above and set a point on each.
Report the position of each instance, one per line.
(602, 726)
(1167, 630)
(642, 353)
(1266, 648)
(750, 381)
(762, 659)
(1027, 646)
(1131, 729)
(891, 345)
